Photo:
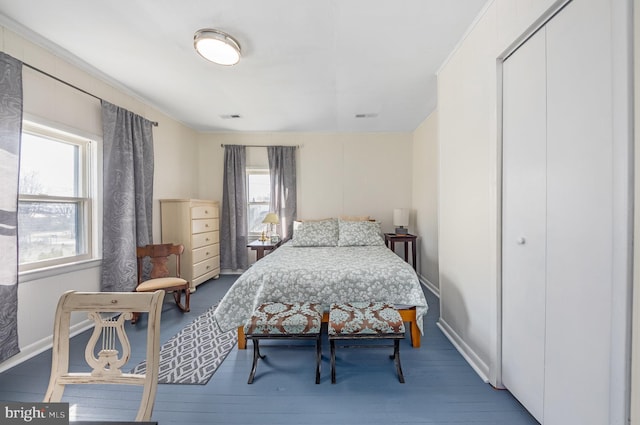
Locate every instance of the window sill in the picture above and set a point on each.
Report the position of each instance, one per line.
(43, 273)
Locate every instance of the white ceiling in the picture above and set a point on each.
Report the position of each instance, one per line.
(307, 65)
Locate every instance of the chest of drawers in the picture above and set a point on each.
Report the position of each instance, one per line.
(195, 223)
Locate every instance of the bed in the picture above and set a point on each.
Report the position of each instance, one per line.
(327, 261)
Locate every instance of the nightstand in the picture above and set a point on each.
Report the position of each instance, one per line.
(260, 247)
(390, 240)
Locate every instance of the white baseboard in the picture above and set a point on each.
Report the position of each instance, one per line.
(430, 286)
(44, 344)
(480, 367)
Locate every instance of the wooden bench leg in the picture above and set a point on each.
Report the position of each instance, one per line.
(256, 356)
(396, 359)
(333, 361)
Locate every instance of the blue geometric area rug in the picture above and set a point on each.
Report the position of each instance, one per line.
(193, 354)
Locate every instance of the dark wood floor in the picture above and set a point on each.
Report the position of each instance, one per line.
(440, 388)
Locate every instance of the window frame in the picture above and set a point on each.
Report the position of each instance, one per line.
(84, 200)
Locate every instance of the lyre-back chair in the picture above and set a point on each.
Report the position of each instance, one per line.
(108, 349)
(160, 276)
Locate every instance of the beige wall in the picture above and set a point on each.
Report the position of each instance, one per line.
(51, 102)
(467, 201)
(425, 198)
(351, 173)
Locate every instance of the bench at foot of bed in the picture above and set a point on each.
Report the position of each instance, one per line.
(407, 314)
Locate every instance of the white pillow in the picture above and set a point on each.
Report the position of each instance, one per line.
(316, 233)
(359, 233)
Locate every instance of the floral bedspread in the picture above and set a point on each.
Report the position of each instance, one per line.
(322, 275)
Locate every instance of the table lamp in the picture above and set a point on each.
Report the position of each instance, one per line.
(400, 220)
(271, 219)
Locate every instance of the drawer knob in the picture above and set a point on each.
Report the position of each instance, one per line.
(206, 225)
(207, 239)
(206, 211)
(208, 267)
(206, 253)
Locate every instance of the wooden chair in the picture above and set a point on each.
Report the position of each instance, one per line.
(108, 350)
(160, 277)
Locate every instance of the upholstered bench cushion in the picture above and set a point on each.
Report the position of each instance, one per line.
(278, 318)
(364, 319)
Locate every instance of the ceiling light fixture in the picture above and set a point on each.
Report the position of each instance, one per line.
(216, 46)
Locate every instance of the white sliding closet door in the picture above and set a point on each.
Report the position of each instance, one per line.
(558, 227)
(579, 215)
(524, 225)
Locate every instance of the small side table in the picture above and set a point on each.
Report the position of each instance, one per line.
(260, 247)
(390, 240)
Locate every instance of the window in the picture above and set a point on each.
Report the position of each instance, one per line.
(54, 203)
(258, 197)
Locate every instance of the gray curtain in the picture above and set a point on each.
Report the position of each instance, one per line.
(284, 199)
(10, 133)
(233, 230)
(128, 194)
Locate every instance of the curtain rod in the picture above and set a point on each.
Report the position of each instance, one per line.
(154, 123)
(260, 146)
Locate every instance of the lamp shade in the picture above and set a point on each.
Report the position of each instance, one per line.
(216, 46)
(271, 218)
(401, 217)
